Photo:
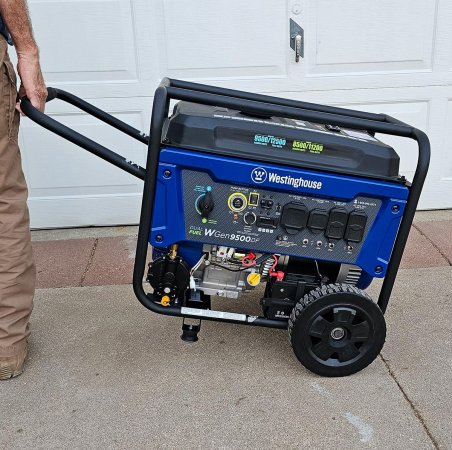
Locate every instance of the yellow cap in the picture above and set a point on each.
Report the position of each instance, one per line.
(253, 279)
(165, 301)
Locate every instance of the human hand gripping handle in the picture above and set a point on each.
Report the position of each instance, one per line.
(32, 81)
(28, 110)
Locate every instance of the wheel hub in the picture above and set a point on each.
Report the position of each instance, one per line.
(337, 336)
(337, 333)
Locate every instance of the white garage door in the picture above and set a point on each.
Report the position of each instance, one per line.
(386, 56)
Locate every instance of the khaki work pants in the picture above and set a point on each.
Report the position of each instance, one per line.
(17, 270)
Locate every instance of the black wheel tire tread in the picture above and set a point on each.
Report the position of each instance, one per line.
(316, 294)
(319, 292)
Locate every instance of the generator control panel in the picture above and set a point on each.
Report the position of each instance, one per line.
(273, 221)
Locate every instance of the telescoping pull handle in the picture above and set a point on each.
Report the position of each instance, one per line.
(82, 141)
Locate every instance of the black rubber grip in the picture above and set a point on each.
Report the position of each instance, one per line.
(52, 93)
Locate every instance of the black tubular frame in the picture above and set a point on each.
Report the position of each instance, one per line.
(82, 141)
(253, 103)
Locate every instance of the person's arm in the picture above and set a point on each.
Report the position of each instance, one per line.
(16, 18)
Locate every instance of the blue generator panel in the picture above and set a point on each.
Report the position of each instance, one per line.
(275, 209)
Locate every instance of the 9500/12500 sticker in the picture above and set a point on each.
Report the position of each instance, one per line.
(210, 232)
(280, 142)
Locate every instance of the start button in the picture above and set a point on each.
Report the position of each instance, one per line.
(237, 202)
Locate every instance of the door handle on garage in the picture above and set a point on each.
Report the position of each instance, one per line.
(297, 40)
(298, 43)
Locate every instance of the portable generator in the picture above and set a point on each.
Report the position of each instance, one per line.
(245, 191)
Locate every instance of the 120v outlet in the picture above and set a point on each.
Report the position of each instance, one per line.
(294, 217)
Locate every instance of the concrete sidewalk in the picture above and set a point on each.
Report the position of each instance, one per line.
(105, 373)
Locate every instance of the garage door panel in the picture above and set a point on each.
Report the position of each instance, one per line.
(368, 36)
(225, 38)
(83, 211)
(438, 190)
(381, 56)
(446, 173)
(95, 28)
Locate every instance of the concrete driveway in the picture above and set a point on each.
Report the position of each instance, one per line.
(104, 372)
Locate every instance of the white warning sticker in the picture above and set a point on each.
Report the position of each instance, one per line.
(215, 314)
(359, 135)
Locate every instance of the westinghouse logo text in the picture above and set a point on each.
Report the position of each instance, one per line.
(259, 175)
(295, 182)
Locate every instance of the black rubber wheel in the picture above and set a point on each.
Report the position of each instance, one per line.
(336, 330)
